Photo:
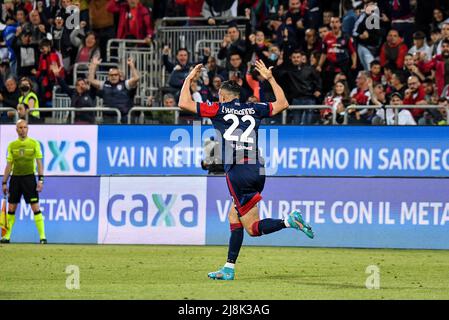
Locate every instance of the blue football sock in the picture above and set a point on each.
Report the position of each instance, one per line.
(235, 243)
(267, 226)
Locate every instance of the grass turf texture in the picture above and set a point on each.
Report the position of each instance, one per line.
(32, 271)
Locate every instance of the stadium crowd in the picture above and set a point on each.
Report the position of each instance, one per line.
(335, 53)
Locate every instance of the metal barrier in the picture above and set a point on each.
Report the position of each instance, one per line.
(187, 36)
(81, 70)
(213, 45)
(395, 109)
(60, 100)
(149, 109)
(148, 62)
(309, 107)
(16, 114)
(75, 110)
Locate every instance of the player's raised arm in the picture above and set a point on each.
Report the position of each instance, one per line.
(185, 99)
(281, 102)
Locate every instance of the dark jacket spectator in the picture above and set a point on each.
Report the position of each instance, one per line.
(394, 50)
(27, 53)
(81, 97)
(9, 96)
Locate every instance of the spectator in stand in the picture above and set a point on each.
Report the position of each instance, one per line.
(61, 41)
(404, 115)
(257, 48)
(336, 99)
(115, 93)
(219, 8)
(302, 86)
(312, 42)
(161, 117)
(323, 31)
(178, 70)
(353, 9)
(87, 45)
(368, 39)
(410, 68)
(394, 50)
(27, 53)
(375, 72)
(435, 37)
(438, 46)
(361, 95)
(37, 27)
(440, 63)
(134, 20)
(80, 97)
(398, 80)
(338, 53)
(213, 69)
(9, 98)
(437, 19)
(420, 45)
(44, 74)
(232, 43)
(235, 66)
(415, 95)
(214, 87)
(28, 100)
(101, 21)
(402, 19)
(431, 92)
(193, 7)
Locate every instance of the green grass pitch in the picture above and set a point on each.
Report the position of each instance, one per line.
(32, 271)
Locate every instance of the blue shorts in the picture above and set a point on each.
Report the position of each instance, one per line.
(245, 183)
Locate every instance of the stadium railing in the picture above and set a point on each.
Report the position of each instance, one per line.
(147, 59)
(395, 109)
(309, 107)
(150, 109)
(16, 114)
(187, 35)
(213, 45)
(81, 70)
(73, 111)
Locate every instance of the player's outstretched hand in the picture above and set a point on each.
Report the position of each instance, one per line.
(195, 71)
(263, 70)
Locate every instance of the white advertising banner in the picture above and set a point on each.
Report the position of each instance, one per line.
(67, 150)
(152, 210)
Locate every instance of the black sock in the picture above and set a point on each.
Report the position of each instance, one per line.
(235, 243)
(267, 226)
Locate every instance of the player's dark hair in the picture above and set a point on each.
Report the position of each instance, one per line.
(232, 87)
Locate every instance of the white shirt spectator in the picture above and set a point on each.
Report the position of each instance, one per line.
(405, 117)
(425, 48)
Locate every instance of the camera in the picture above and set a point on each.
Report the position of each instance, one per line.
(211, 162)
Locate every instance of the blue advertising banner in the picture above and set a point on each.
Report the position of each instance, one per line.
(344, 212)
(70, 206)
(288, 150)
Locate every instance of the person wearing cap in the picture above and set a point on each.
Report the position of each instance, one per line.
(420, 46)
(388, 115)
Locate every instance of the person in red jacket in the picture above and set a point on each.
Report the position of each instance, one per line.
(394, 50)
(415, 94)
(440, 63)
(134, 20)
(44, 74)
(193, 7)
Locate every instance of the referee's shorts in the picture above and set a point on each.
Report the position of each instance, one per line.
(23, 186)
